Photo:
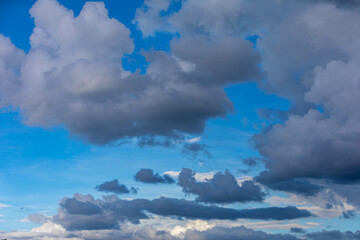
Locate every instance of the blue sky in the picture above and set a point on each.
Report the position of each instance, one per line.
(92, 92)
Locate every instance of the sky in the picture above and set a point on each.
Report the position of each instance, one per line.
(180, 119)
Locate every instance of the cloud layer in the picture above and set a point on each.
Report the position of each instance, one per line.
(84, 212)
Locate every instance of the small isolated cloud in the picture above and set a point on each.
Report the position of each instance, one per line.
(222, 188)
(349, 214)
(195, 150)
(115, 187)
(146, 175)
(297, 230)
(4, 205)
(37, 218)
(193, 140)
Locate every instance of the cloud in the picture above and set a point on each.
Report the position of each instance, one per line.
(37, 218)
(114, 187)
(148, 176)
(196, 149)
(76, 76)
(320, 142)
(349, 214)
(222, 188)
(236, 233)
(297, 230)
(298, 186)
(252, 161)
(10, 61)
(332, 235)
(344, 3)
(53, 231)
(86, 213)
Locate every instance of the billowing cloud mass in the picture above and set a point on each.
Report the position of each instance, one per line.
(84, 212)
(115, 187)
(73, 77)
(311, 66)
(321, 143)
(145, 175)
(222, 188)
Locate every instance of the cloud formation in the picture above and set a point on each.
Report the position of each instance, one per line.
(195, 150)
(222, 188)
(145, 175)
(114, 187)
(74, 78)
(332, 235)
(236, 233)
(87, 213)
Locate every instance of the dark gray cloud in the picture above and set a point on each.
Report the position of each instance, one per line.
(85, 212)
(333, 235)
(150, 233)
(115, 187)
(145, 175)
(349, 214)
(344, 3)
(222, 188)
(188, 209)
(230, 65)
(74, 206)
(298, 186)
(196, 150)
(252, 161)
(350, 192)
(310, 66)
(236, 233)
(319, 142)
(297, 230)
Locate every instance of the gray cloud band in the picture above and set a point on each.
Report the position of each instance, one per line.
(85, 212)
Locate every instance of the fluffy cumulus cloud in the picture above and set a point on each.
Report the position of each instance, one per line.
(304, 59)
(222, 188)
(145, 175)
(321, 143)
(308, 57)
(115, 187)
(73, 77)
